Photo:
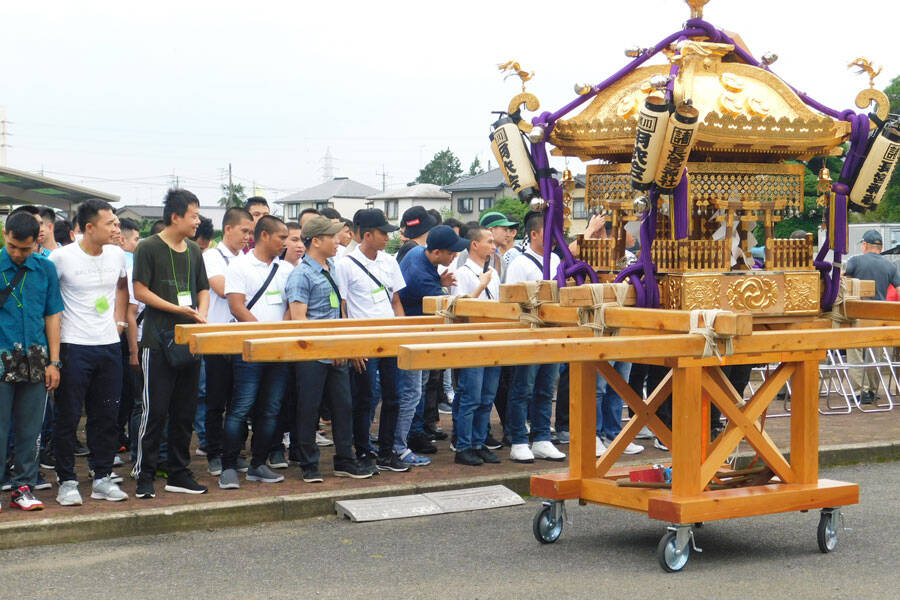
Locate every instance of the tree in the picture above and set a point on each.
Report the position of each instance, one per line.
(232, 195)
(475, 167)
(443, 169)
(511, 207)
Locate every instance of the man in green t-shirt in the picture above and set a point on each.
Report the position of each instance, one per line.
(170, 278)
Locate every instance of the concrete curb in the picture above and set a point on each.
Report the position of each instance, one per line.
(214, 515)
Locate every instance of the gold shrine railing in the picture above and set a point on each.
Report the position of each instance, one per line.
(600, 254)
(789, 253)
(680, 256)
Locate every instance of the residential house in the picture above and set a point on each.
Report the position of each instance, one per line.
(143, 212)
(341, 193)
(395, 202)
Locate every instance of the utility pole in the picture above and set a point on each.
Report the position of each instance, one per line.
(328, 165)
(383, 178)
(230, 188)
(3, 134)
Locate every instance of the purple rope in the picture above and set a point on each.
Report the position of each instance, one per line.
(680, 207)
(646, 291)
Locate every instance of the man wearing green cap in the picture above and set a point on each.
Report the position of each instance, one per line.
(504, 233)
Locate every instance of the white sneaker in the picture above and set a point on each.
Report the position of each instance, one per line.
(659, 445)
(644, 434)
(117, 461)
(521, 453)
(114, 477)
(601, 447)
(631, 449)
(68, 494)
(547, 451)
(106, 489)
(321, 440)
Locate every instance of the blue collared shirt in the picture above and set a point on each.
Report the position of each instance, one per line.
(308, 284)
(421, 278)
(35, 297)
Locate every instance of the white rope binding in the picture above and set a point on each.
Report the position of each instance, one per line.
(707, 331)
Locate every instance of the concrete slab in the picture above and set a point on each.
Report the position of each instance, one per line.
(480, 498)
(379, 509)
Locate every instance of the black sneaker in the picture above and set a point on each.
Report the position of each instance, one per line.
(81, 449)
(468, 457)
(353, 470)
(420, 444)
(41, 483)
(491, 444)
(367, 462)
(312, 475)
(392, 463)
(145, 489)
(488, 456)
(48, 461)
(184, 483)
(435, 433)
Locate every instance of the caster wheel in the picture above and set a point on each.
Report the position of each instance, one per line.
(546, 530)
(669, 559)
(827, 533)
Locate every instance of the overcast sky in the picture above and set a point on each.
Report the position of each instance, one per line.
(123, 96)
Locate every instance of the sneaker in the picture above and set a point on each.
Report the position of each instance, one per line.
(114, 477)
(435, 433)
(488, 456)
(631, 449)
(312, 475)
(445, 408)
(393, 463)
(468, 457)
(145, 489)
(242, 464)
(521, 453)
(81, 449)
(6, 486)
(600, 447)
(277, 460)
(264, 474)
(644, 434)
(414, 460)
(659, 445)
(562, 436)
(491, 444)
(453, 443)
(48, 461)
(228, 479)
(420, 444)
(68, 494)
(547, 451)
(321, 440)
(185, 484)
(106, 489)
(367, 462)
(200, 451)
(352, 470)
(42, 484)
(215, 466)
(24, 499)
(117, 461)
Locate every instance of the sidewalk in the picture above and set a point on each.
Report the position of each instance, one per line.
(849, 438)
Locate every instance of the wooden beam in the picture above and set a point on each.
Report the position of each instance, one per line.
(686, 431)
(473, 354)
(872, 309)
(582, 419)
(805, 421)
(183, 332)
(548, 291)
(581, 295)
(288, 349)
(233, 343)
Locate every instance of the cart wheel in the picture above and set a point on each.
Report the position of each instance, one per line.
(546, 530)
(827, 533)
(669, 559)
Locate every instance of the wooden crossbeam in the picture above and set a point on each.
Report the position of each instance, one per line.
(183, 332)
(524, 352)
(233, 343)
(581, 295)
(548, 291)
(286, 349)
(871, 309)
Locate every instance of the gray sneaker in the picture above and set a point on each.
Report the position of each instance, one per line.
(563, 437)
(228, 480)
(106, 489)
(242, 464)
(68, 494)
(215, 467)
(263, 473)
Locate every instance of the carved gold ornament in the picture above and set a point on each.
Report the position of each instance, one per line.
(531, 103)
(701, 293)
(512, 68)
(758, 107)
(866, 66)
(730, 104)
(752, 293)
(696, 8)
(801, 293)
(731, 82)
(627, 106)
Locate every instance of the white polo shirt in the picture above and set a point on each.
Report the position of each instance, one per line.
(216, 261)
(467, 281)
(522, 268)
(364, 298)
(88, 287)
(246, 274)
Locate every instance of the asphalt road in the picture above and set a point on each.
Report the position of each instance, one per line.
(603, 553)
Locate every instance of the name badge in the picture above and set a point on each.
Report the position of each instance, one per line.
(273, 297)
(101, 305)
(184, 299)
(379, 295)
(333, 299)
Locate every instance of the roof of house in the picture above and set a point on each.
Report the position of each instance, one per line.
(419, 191)
(339, 187)
(489, 180)
(145, 211)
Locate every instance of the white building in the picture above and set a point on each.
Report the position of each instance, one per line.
(395, 202)
(341, 193)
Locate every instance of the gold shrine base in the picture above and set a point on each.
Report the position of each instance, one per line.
(692, 385)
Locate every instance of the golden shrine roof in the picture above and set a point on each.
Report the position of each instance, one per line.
(748, 110)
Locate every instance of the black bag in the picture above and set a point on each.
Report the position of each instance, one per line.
(5, 292)
(177, 355)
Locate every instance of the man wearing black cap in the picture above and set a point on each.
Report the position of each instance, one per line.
(416, 223)
(420, 272)
(870, 265)
(369, 279)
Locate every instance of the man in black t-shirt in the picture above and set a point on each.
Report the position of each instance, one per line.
(170, 278)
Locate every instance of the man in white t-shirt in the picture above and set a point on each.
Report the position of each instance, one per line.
(236, 228)
(254, 285)
(533, 386)
(94, 285)
(369, 279)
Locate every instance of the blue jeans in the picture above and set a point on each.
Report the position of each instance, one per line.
(532, 387)
(200, 416)
(409, 397)
(24, 403)
(472, 405)
(609, 403)
(258, 390)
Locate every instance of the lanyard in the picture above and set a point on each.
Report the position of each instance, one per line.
(335, 288)
(12, 290)
(486, 290)
(174, 276)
